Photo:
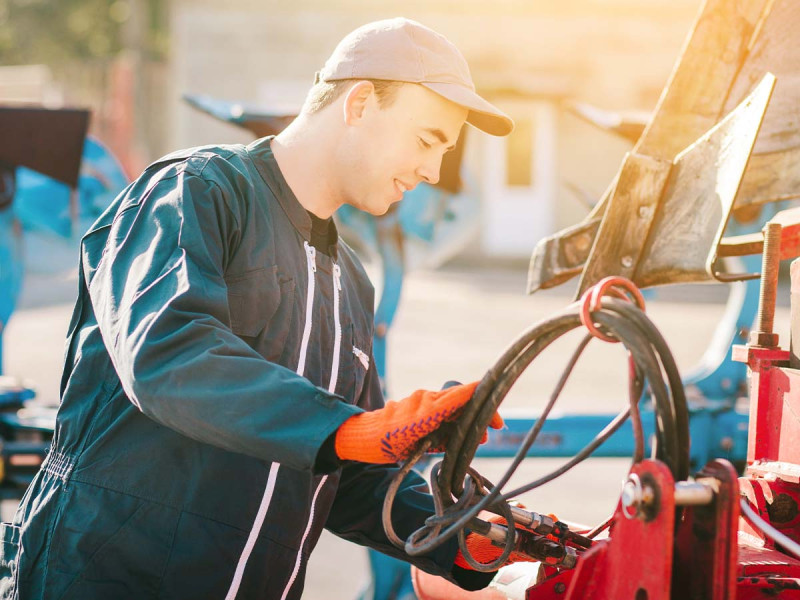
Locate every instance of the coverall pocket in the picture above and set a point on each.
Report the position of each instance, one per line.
(253, 297)
(359, 359)
(262, 308)
(107, 544)
(9, 552)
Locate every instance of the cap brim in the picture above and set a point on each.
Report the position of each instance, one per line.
(482, 114)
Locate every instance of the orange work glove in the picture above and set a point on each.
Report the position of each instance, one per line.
(485, 552)
(391, 433)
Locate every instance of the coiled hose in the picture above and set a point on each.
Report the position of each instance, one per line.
(460, 493)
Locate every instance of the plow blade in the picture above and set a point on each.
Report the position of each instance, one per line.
(732, 46)
(665, 219)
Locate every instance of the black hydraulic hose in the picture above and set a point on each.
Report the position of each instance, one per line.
(417, 544)
(582, 455)
(459, 497)
(667, 438)
(456, 520)
(490, 392)
(672, 414)
(675, 383)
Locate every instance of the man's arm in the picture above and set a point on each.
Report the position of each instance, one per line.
(161, 302)
(357, 509)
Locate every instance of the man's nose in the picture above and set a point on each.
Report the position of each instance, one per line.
(429, 171)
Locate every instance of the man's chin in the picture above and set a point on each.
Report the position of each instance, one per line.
(375, 209)
(378, 209)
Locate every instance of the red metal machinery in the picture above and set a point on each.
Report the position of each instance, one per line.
(717, 536)
(713, 537)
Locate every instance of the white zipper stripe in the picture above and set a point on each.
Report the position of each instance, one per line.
(251, 539)
(266, 499)
(311, 254)
(337, 343)
(297, 562)
(337, 340)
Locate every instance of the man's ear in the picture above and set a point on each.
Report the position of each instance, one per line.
(357, 100)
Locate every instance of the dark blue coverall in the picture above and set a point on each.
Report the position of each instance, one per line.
(211, 355)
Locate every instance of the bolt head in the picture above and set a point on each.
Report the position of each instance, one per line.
(631, 497)
(629, 494)
(583, 242)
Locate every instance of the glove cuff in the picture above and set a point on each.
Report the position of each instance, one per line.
(356, 437)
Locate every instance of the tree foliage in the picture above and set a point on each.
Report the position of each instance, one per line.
(56, 31)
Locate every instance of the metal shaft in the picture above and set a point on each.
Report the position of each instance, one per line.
(763, 335)
(693, 494)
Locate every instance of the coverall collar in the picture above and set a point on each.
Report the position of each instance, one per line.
(270, 172)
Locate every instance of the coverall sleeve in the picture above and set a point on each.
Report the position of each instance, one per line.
(356, 514)
(161, 303)
(356, 517)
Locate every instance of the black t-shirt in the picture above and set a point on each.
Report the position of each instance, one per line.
(323, 233)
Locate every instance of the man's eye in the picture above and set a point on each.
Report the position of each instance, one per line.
(424, 144)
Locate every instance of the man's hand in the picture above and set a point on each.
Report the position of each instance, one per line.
(484, 551)
(391, 433)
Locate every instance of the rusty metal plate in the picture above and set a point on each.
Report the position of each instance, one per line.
(691, 218)
(711, 76)
(664, 221)
(628, 219)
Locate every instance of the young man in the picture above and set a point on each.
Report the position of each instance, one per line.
(219, 404)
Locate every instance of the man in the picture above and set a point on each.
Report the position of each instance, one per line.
(219, 403)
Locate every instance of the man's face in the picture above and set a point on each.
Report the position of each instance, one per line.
(396, 147)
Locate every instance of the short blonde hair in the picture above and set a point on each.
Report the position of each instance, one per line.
(325, 93)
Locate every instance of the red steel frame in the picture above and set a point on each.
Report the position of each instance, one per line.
(710, 551)
(706, 552)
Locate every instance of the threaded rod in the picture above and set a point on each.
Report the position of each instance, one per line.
(770, 265)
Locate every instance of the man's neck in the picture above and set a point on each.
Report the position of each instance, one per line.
(305, 161)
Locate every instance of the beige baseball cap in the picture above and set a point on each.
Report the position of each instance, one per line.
(403, 50)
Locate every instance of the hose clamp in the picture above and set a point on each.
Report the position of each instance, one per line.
(591, 301)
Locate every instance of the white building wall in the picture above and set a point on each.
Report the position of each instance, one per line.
(514, 215)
